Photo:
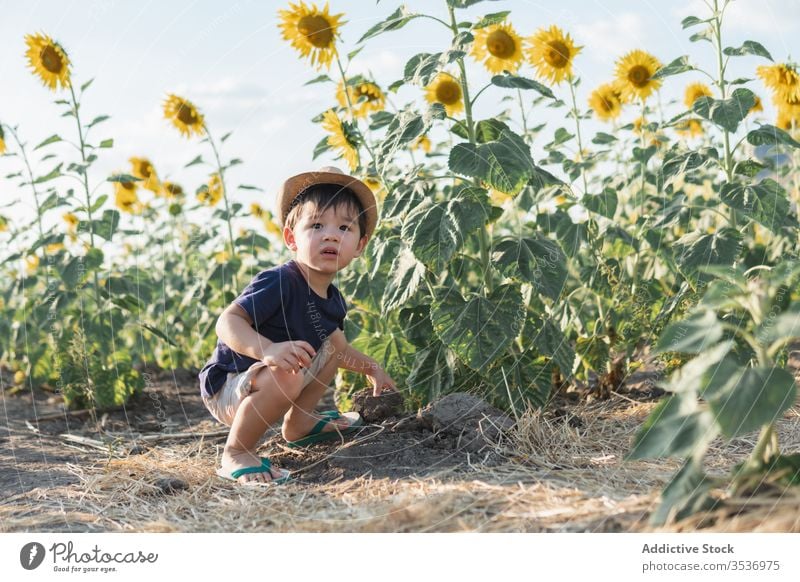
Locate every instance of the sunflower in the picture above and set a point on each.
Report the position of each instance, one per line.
(2, 141)
(142, 168)
(256, 210)
(48, 59)
(423, 143)
(605, 101)
(694, 92)
(19, 377)
(71, 220)
(552, 53)
(222, 257)
(311, 31)
(757, 105)
(54, 247)
(125, 197)
(340, 137)
(782, 79)
(788, 118)
(498, 47)
(374, 183)
(184, 115)
(3, 223)
(499, 198)
(31, 263)
(445, 89)
(365, 97)
(171, 190)
(634, 75)
(210, 193)
(639, 123)
(689, 127)
(270, 225)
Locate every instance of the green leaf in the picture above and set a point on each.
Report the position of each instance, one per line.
(406, 126)
(422, 68)
(86, 85)
(73, 273)
(691, 378)
(509, 81)
(54, 173)
(96, 120)
(726, 113)
(771, 135)
(550, 341)
(691, 21)
(676, 67)
(490, 19)
(107, 143)
(397, 20)
(52, 139)
(432, 371)
(405, 277)
(158, 333)
(537, 260)
(435, 231)
(765, 202)
(695, 250)
(781, 327)
(321, 147)
(680, 163)
(602, 138)
(750, 47)
(676, 427)
(693, 335)
(478, 329)
(520, 382)
(99, 202)
(604, 204)
(744, 399)
(504, 164)
(404, 196)
(197, 160)
(107, 225)
(686, 493)
(123, 178)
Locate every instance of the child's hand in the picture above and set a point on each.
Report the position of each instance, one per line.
(381, 382)
(289, 356)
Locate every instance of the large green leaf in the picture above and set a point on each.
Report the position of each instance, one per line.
(749, 47)
(743, 399)
(504, 164)
(536, 259)
(432, 371)
(676, 427)
(405, 277)
(422, 68)
(771, 135)
(435, 231)
(521, 381)
(478, 329)
(765, 202)
(510, 81)
(395, 21)
(549, 340)
(727, 113)
(406, 126)
(697, 249)
(691, 378)
(404, 196)
(693, 335)
(781, 327)
(686, 493)
(604, 204)
(676, 67)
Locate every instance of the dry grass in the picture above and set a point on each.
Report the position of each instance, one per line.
(554, 477)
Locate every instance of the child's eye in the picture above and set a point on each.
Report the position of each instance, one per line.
(344, 226)
(316, 224)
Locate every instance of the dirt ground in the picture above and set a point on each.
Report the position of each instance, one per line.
(150, 467)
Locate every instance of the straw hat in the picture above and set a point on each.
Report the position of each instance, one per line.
(328, 175)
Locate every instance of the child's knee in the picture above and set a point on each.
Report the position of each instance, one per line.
(288, 384)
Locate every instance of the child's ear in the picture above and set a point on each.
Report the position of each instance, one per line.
(288, 238)
(362, 244)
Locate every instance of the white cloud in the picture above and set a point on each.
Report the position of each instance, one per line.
(608, 39)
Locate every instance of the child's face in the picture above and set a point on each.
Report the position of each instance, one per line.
(314, 234)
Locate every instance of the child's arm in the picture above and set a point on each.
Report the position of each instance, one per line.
(234, 329)
(351, 359)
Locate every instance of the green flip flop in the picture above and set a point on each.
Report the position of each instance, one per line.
(317, 436)
(264, 467)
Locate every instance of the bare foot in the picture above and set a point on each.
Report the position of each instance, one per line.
(233, 460)
(295, 429)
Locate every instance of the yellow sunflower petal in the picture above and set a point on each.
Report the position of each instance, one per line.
(339, 138)
(49, 60)
(446, 89)
(552, 53)
(125, 197)
(694, 92)
(211, 193)
(634, 75)
(311, 31)
(142, 168)
(782, 79)
(605, 102)
(365, 97)
(498, 47)
(183, 115)
(689, 127)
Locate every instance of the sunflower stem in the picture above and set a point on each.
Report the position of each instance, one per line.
(482, 233)
(576, 117)
(85, 175)
(522, 113)
(221, 172)
(32, 182)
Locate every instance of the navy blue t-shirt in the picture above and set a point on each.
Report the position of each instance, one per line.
(283, 308)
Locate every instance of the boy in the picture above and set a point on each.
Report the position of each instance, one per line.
(281, 341)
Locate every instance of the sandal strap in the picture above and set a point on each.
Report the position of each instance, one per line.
(327, 417)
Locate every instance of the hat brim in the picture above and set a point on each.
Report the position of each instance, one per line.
(296, 184)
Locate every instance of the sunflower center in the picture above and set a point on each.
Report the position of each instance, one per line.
(51, 60)
(500, 44)
(186, 114)
(129, 186)
(146, 170)
(448, 92)
(557, 54)
(316, 29)
(639, 75)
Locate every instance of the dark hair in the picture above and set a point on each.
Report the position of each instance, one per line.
(323, 197)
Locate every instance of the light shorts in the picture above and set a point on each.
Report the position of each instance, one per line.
(224, 404)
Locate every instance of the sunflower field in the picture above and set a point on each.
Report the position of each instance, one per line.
(513, 259)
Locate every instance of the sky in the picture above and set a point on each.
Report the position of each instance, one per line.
(230, 60)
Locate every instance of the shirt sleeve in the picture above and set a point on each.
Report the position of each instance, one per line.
(262, 298)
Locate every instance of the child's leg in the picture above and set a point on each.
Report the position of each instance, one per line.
(299, 420)
(272, 393)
